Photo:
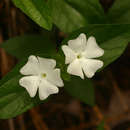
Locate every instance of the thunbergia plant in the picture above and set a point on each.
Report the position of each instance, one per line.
(92, 40)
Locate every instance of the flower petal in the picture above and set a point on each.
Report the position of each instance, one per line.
(54, 78)
(90, 66)
(74, 68)
(69, 54)
(46, 89)
(78, 44)
(31, 84)
(31, 67)
(92, 49)
(46, 64)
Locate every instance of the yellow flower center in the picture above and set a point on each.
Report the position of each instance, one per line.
(44, 75)
(79, 56)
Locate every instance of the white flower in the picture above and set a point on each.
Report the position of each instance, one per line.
(79, 55)
(40, 73)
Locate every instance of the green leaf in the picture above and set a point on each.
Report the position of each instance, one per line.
(23, 46)
(70, 15)
(112, 38)
(37, 10)
(16, 103)
(14, 99)
(81, 89)
(120, 12)
(14, 72)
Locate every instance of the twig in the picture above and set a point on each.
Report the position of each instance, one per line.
(7, 9)
(4, 61)
(118, 92)
(98, 113)
(118, 117)
(21, 122)
(100, 117)
(11, 124)
(37, 120)
(13, 20)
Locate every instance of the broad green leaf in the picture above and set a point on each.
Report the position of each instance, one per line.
(120, 12)
(112, 38)
(23, 46)
(37, 10)
(14, 99)
(16, 103)
(14, 72)
(70, 15)
(81, 89)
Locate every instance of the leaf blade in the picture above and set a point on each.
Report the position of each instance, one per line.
(26, 45)
(120, 12)
(38, 11)
(70, 15)
(81, 89)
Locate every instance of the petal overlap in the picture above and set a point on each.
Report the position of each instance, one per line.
(46, 89)
(31, 67)
(92, 49)
(75, 68)
(69, 54)
(31, 84)
(80, 54)
(78, 44)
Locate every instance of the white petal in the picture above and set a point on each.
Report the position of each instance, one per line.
(46, 64)
(30, 83)
(90, 66)
(54, 78)
(46, 89)
(74, 68)
(31, 67)
(78, 44)
(69, 54)
(92, 49)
